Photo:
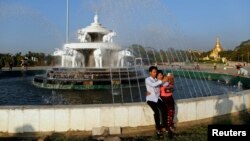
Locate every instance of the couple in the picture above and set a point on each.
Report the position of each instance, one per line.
(159, 98)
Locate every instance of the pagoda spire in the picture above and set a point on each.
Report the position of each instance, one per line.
(218, 46)
(217, 39)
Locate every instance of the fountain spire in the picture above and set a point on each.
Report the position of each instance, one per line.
(96, 18)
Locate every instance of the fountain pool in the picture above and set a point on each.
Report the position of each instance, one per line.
(20, 91)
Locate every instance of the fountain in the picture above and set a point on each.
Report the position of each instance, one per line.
(226, 79)
(239, 85)
(93, 63)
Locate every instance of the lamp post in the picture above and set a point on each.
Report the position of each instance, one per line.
(67, 21)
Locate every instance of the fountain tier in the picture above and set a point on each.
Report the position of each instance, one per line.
(94, 62)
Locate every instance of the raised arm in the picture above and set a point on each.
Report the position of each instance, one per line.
(153, 84)
(165, 84)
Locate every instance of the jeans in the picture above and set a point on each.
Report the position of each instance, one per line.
(159, 114)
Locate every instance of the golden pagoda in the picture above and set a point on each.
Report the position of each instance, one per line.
(217, 48)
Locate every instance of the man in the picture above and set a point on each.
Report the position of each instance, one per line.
(155, 102)
(215, 66)
(241, 71)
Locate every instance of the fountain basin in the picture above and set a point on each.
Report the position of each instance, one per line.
(21, 119)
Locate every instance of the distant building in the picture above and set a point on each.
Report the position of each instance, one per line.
(217, 48)
(205, 58)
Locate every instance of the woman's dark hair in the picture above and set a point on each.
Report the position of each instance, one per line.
(151, 68)
(159, 71)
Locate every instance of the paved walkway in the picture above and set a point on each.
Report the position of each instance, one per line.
(209, 67)
(221, 68)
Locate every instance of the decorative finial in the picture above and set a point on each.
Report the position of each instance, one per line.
(96, 18)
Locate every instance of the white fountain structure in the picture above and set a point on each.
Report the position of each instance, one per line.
(95, 49)
(95, 62)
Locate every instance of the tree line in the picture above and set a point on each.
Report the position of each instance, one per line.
(33, 58)
(148, 55)
(239, 53)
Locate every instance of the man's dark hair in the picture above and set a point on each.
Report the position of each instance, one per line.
(152, 68)
(238, 66)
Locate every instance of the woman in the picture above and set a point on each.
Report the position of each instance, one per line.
(166, 94)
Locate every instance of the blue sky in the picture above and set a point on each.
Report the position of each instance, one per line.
(39, 25)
